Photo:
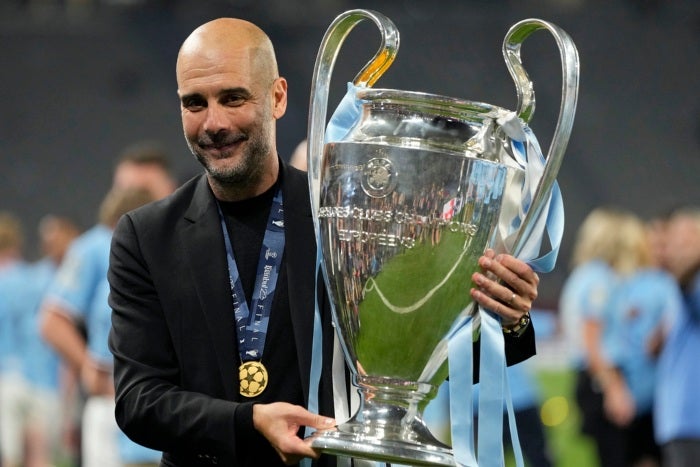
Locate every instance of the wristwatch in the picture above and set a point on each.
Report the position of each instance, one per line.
(518, 328)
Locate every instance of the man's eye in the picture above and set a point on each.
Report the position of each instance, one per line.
(193, 104)
(234, 100)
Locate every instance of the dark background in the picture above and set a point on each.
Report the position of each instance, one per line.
(81, 79)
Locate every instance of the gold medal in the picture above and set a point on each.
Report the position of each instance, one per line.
(253, 378)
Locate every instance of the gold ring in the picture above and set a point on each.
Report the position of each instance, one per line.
(512, 299)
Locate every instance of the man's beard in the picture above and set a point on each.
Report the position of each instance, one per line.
(249, 169)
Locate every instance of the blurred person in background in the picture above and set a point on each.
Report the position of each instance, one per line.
(56, 233)
(11, 382)
(31, 419)
(101, 444)
(677, 405)
(611, 305)
(584, 295)
(633, 319)
(298, 158)
(11, 241)
(52, 394)
(145, 164)
(75, 315)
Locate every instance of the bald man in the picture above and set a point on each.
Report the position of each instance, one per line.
(197, 374)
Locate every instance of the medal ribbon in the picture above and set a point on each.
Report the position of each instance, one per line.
(251, 327)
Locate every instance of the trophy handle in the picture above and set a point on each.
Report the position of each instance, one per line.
(368, 75)
(526, 108)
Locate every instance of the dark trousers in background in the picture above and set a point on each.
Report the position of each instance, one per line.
(616, 446)
(681, 453)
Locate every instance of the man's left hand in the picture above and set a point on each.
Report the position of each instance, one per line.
(505, 285)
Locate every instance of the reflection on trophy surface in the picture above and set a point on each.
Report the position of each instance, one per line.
(402, 230)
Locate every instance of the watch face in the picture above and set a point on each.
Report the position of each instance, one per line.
(519, 328)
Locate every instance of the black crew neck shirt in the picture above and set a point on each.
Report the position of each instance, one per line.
(246, 222)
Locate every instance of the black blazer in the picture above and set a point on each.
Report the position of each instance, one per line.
(173, 334)
(173, 323)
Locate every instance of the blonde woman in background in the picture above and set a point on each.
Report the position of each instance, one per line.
(612, 305)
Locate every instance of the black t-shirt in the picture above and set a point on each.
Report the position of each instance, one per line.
(246, 222)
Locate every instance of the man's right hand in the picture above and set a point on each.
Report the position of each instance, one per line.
(279, 423)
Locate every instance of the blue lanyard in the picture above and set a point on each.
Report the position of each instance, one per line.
(252, 327)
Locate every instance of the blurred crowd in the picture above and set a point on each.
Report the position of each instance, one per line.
(56, 383)
(629, 310)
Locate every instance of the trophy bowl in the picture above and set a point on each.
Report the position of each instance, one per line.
(406, 209)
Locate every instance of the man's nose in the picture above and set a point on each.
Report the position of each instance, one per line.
(216, 119)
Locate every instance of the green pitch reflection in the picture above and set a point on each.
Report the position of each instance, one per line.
(411, 304)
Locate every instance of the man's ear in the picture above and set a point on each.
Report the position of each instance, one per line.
(279, 95)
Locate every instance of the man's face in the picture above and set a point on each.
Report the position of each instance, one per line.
(229, 113)
(682, 249)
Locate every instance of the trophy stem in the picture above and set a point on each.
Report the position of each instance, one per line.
(388, 426)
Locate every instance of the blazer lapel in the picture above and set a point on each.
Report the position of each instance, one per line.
(203, 244)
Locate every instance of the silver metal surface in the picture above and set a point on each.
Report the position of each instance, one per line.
(403, 207)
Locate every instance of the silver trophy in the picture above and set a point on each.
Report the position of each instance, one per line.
(404, 203)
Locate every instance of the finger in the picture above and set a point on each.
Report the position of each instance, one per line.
(520, 303)
(511, 300)
(306, 418)
(509, 315)
(514, 274)
(519, 267)
(294, 414)
(515, 305)
(507, 271)
(501, 299)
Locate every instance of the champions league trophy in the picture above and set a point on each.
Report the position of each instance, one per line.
(407, 191)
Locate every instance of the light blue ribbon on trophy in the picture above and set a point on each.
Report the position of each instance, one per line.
(495, 390)
(345, 115)
(528, 156)
(316, 353)
(460, 357)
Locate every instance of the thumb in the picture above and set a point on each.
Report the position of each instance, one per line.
(318, 421)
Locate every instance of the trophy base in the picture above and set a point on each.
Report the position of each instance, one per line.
(342, 443)
(388, 426)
